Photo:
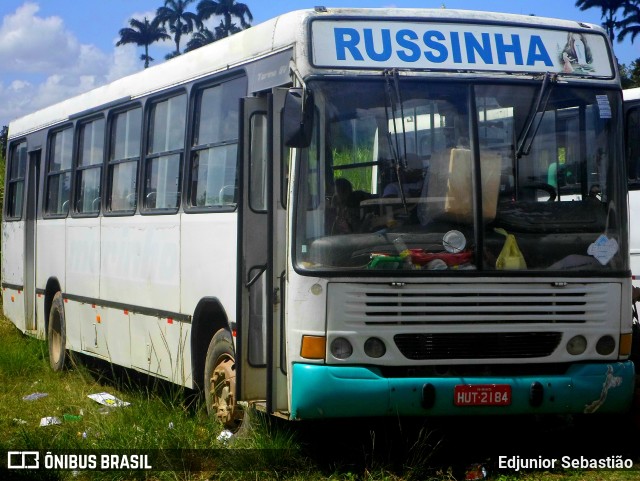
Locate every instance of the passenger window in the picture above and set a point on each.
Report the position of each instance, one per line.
(59, 172)
(89, 169)
(258, 163)
(633, 147)
(164, 153)
(213, 172)
(15, 186)
(124, 153)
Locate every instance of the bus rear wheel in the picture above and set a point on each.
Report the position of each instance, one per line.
(220, 381)
(57, 334)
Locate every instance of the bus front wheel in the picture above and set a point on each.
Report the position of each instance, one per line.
(57, 334)
(220, 380)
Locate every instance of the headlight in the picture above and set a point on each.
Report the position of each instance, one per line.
(374, 347)
(341, 348)
(605, 345)
(577, 345)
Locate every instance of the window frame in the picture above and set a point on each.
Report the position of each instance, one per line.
(78, 169)
(49, 175)
(633, 109)
(10, 181)
(195, 148)
(148, 157)
(109, 162)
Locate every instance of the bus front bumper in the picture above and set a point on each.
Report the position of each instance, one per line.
(320, 391)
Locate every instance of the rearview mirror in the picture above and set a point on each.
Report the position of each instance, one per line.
(297, 118)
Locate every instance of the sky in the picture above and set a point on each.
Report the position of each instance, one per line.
(54, 49)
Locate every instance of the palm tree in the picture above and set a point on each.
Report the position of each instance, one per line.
(609, 9)
(200, 39)
(181, 21)
(227, 9)
(142, 34)
(630, 24)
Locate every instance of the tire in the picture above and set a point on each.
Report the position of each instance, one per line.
(220, 381)
(57, 335)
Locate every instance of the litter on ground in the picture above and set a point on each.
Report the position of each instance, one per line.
(108, 399)
(50, 421)
(34, 396)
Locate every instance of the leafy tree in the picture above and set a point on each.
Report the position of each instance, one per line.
(180, 20)
(634, 73)
(228, 10)
(143, 34)
(4, 140)
(609, 9)
(630, 24)
(200, 39)
(630, 75)
(625, 76)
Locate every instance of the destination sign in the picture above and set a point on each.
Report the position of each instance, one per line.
(437, 46)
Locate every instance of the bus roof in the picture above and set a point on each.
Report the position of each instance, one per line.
(281, 33)
(631, 94)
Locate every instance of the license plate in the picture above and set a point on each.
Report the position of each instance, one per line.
(482, 395)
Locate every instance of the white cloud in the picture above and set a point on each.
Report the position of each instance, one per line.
(44, 63)
(35, 44)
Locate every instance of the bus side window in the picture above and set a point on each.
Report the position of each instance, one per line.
(15, 185)
(89, 169)
(214, 146)
(632, 127)
(124, 152)
(59, 172)
(164, 153)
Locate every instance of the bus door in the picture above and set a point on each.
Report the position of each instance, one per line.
(33, 181)
(260, 348)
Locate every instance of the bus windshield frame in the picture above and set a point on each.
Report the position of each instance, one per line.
(426, 177)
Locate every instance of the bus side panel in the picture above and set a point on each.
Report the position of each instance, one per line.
(140, 261)
(51, 263)
(208, 259)
(80, 318)
(50, 257)
(13, 272)
(159, 347)
(83, 257)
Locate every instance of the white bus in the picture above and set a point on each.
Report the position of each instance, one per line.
(340, 212)
(632, 152)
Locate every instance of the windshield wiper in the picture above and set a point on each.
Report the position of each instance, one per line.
(392, 100)
(525, 140)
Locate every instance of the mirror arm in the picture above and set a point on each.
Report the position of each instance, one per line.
(296, 73)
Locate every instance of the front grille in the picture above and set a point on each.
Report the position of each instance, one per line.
(514, 345)
(474, 304)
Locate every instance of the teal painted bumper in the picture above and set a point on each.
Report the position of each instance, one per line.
(320, 391)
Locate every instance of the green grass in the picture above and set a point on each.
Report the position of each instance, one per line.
(360, 178)
(168, 421)
(160, 417)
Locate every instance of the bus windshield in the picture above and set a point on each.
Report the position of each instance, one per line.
(405, 174)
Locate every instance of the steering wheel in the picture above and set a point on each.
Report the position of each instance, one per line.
(548, 188)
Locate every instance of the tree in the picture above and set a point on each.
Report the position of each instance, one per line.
(630, 24)
(609, 9)
(143, 34)
(181, 21)
(200, 39)
(634, 73)
(4, 136)
(4, 140)
(228, 10)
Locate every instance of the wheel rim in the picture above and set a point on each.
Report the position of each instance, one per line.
(222, 388)
(56, 339)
